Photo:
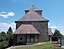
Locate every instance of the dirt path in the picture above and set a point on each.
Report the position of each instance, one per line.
(25, 45)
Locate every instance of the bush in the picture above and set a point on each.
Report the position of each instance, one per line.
(3, 44)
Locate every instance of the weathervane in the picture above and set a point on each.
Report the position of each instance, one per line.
(33, 5)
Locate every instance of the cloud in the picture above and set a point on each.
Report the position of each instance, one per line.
(55, 27)
(52, 26)
(60, 28)
(5, 26)
(7, 14)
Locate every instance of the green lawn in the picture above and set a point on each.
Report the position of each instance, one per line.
(42, 46)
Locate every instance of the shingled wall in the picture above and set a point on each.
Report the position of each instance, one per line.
(41, 26)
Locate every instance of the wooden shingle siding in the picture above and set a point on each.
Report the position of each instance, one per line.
(42, 27)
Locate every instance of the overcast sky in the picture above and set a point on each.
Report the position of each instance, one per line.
(12, 10)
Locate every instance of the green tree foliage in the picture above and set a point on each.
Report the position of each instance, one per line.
(57, 35)
(3, 42)
(2, 36)
(10, 36)
(9, 33)
(5, 38)
(3, 33)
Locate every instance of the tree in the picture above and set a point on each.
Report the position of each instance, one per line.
(3, 42)
(2, 36)
(9, 33)
(57, 35)
(5, 39)
(3, 33)
(10, 30)
(10, 36)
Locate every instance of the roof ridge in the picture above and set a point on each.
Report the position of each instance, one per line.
(33, 7)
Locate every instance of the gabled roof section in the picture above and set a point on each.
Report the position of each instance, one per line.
(26, 29)
(32, 16)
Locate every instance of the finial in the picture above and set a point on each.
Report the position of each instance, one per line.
(33, 5)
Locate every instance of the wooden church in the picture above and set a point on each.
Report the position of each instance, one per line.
(32, 28)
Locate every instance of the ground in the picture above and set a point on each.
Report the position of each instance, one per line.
(40, 46)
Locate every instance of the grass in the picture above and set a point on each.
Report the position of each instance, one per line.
(42, 46)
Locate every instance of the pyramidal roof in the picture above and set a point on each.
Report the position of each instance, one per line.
(32, 16)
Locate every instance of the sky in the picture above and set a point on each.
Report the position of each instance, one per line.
(12, 10)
